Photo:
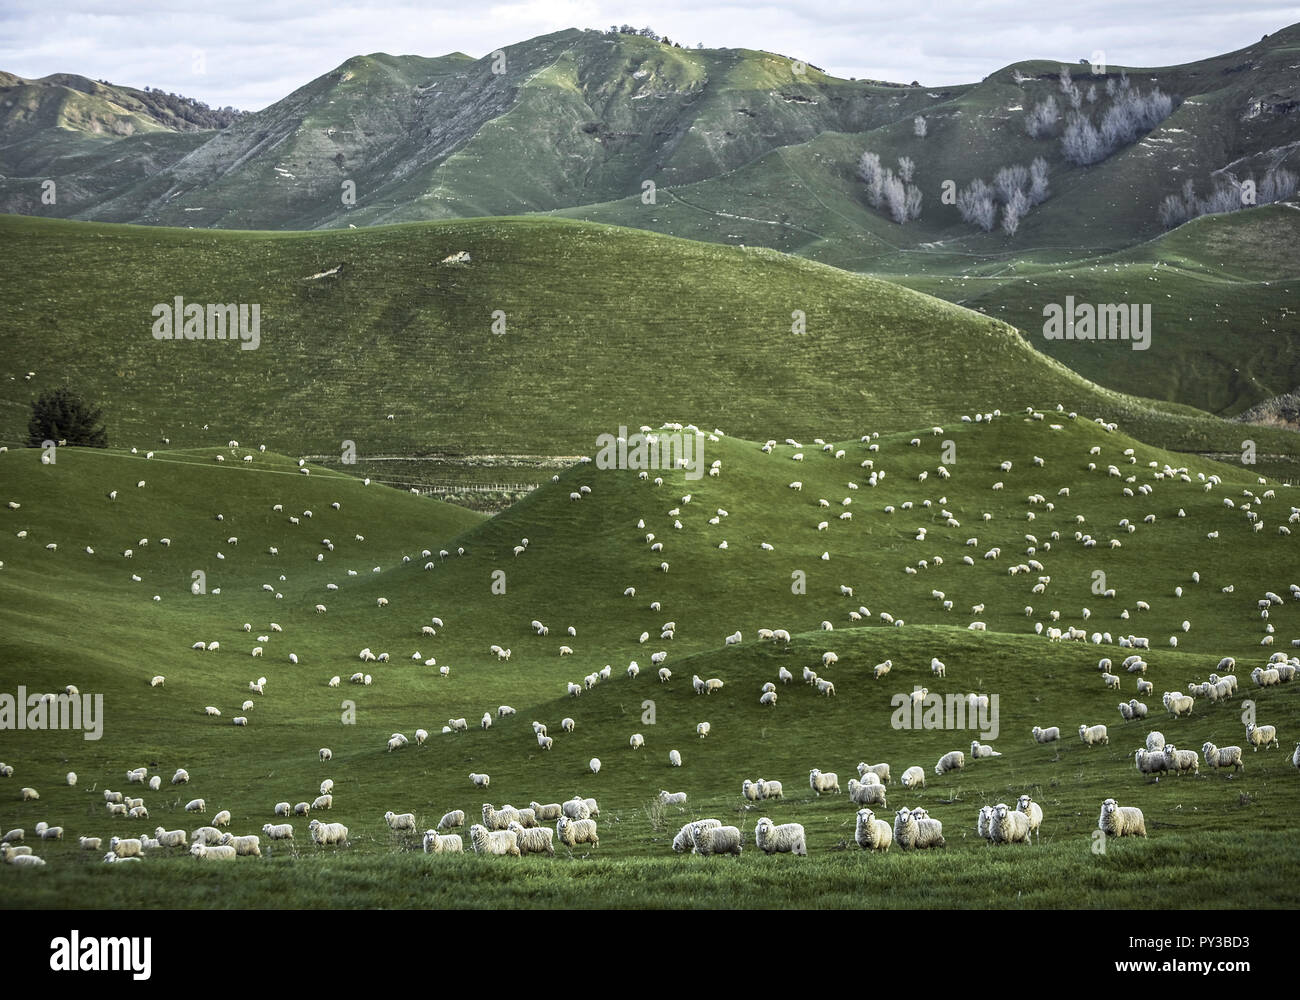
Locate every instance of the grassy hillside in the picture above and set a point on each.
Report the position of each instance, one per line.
(73, 617)
(393, 328)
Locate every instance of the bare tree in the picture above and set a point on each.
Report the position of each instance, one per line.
(913, 201)
(1013, 211)
(895, 197)
(906, 169)
(976, 206)
(1009, 180)
(872, 174)
(1038, 181)
(920, 127)
(1042, 119)
(1065, 82)
(1082, 143)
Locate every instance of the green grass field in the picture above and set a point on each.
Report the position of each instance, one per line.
(69, 617)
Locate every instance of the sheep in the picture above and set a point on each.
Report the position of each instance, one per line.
(302, 808)
(820, 781)
(913, 833)
(1145, 687)
(170, 838)
(282, 831)
(452, 820)
(328, 833)
(283, 809)
(1092, 735)
(575, 808)
(913, 777)
(1258, 736)
(126, 848)
(788, 838)
(1121, 821)
(181, 776)
(325, 754)
(436, 843)
(222, 818)
(703, 729)
(220, 852)
(479, 780)
(1111, 681)
(1008, 827)
(1217, 757)
(400, 821)
(710, 840)
(829, 659)
(594, 765)
(872, 834)
(29, 794)
(137, 812)
(980, 750)
(769, 789)
(576, 831)
(684, 842)
(867, 793)
(324, 801)
(240, 720)
(664, 675)
(1177, 704)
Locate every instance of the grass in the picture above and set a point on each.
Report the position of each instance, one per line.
(68, 617)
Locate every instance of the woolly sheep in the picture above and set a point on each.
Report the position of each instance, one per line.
(1092, 735)
(912, 833)
(1008, 827)
(452, 820)
(821, 781)
(126, 848)
(1217, 757)
(702, 729)
(872, 834)
(400, 821)
(479, 780)
(867, 793)
(282, 831)
(674, 758)
(223, 852)
(913, 777)
(328, 833)
(222, 818)
(594, 765)
(636, 741)
(788, 838)
(881, 771)
(326, 754)
(1121, 821)
(1177, 704)
(684, 842)
(953, 760)
(980, 750)
(436, 843)
(576, 831)
(575, 808)
(710, 840)
(1258, 736)
(283, 809)
(170, 838)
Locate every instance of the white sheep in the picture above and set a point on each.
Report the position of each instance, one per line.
(479, 780)
(328, 833)
(170, 838)
(196, 805)
(1258, 736)
(1033, 810)
(710, 840)
(281, 831)
(1048, 735)
(820, 781)
(1121, 821)
(703, 729)
(222, 818)
(594, 765)
(1007, 826)
(325, 754)
(913, 777)
(953, 760)
(980, 750)
(436, 843)
(1217, 757)
(400, 821)
(872, 834)
(576, 831)
(867, 793)
(1092, 735)
(917, 833)
(452, 819)
(788, 838)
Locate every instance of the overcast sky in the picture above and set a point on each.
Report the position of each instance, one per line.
(251, 53)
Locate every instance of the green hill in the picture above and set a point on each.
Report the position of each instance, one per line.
(603, 328)
(71, 617)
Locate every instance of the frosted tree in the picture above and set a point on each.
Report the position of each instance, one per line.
(920, 127)
(1042, 119)
(1081, 142)
(906, 169)
(873, 176)
(1013, 211)
(895, 197)
(976, 206)
(1038, 181)
(913, 201)
(1010, 180)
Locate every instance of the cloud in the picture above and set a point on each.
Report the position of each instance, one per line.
(251, 54)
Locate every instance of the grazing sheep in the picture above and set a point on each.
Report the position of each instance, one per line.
(1092, 735)
(1033, 810)
(702, 729)
(328, 833)
(29, 794)
(1007, 826)
(636, 741)
(788, 838)
(980, 750)
(196, 805)
(872, 834)
(710, 840)
(436, 843)
(302, 808)
(913, 833)
(126, 848)
(222, 818)
(170, 838)
(1217, 757)
(322, 802)
(283, 809)
(282, 831)
(881, 771)
(1177, 704)
(867, 793)
(914, 777)
(953, 760)
(479, 780)
(1258, 736)
(576, 831)
(684, 842)
(401, 821)
(221, 852)
(1048, 735)
(1121, 821)
(326, 754)
(820, 781)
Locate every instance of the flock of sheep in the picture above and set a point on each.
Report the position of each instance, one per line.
(511, 831)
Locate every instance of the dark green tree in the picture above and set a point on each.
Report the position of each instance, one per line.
(61, 415)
